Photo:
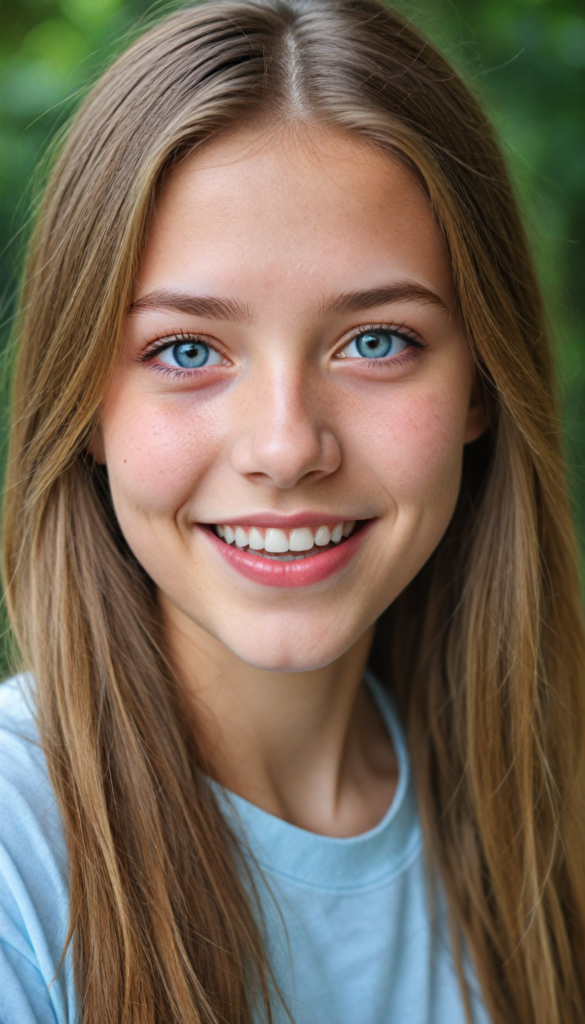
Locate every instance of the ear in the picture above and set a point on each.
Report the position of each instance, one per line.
(477, 414)
(96, 446)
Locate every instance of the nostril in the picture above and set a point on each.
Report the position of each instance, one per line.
(286, 456)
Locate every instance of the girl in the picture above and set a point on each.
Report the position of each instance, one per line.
(284, 488)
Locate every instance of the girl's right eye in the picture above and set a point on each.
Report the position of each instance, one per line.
(190, 354)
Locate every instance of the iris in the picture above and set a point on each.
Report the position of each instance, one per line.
(189, 355)
(377, 344)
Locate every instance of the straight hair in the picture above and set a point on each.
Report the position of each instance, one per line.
(484, 649)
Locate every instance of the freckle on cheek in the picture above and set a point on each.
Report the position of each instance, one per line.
(158, 478)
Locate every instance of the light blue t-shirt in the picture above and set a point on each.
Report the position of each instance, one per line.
(353, 941)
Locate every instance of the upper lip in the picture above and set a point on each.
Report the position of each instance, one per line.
(283, 521)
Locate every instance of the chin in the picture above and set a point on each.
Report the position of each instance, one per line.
(293, 654)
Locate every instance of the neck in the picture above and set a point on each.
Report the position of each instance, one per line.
(309, 747)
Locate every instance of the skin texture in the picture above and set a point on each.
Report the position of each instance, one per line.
(280, 225)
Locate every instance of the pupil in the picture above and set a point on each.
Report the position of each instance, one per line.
(191, 354)
(376, 344)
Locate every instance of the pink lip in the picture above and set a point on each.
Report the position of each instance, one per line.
(273, 573)
(282, 521)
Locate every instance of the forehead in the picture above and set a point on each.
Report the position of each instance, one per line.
(315, 210)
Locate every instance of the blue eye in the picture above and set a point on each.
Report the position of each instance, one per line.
(190, 355)
(376, 344)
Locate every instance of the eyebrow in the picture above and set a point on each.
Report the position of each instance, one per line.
(402, 291)
(195, 305)
(230, 309)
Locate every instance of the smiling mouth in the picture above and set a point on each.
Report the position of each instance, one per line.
(287, 545)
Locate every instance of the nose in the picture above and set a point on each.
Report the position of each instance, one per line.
(282, 437)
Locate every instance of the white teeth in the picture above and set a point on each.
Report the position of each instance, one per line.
(337, 533)
(276, 541)
(323, 536)
(256, 540)
(279, 542)
(301, 539)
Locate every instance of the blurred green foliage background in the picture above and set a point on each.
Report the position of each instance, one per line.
(524, 58)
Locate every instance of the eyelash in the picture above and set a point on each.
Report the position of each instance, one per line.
(167, 340)
(399, 331)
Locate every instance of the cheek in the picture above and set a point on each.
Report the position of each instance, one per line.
(155, 454)
(415, 446)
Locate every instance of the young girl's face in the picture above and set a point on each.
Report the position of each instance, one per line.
(293, 371)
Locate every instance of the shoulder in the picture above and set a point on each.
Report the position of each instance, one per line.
(17, 717)
(33, 869)
(26, 796)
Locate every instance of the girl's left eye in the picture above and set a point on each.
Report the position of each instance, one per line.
(376, 344)
(190, 354)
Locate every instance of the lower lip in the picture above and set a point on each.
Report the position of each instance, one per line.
(273, 573)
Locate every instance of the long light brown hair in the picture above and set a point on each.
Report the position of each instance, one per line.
(484, 649)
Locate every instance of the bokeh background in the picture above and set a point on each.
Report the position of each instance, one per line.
(524, 58)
